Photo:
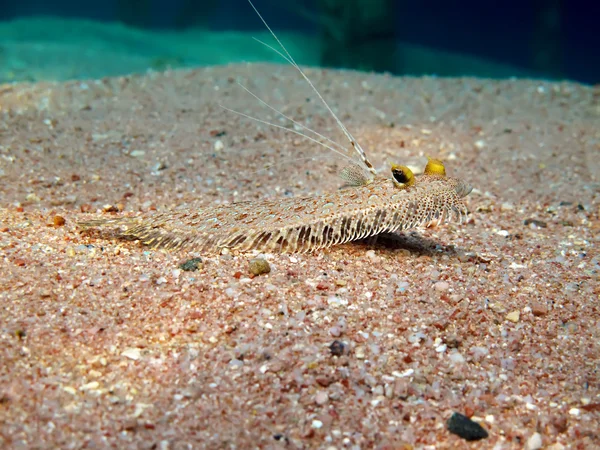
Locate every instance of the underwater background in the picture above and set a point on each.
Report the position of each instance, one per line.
(67, 39)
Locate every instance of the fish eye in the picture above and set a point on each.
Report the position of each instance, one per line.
(400, 175)
(403, 176)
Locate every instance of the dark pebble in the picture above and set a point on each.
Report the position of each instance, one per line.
(191, 264)
(465, 428)
(259, 266)
(537, 223)
(337, 348)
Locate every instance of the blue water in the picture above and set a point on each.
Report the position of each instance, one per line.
(556, 39)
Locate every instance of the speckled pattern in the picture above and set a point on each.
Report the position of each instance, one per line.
(107, 343)
(300, 224)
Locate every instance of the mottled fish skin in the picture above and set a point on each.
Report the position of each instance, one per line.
(372, 205)
(298, 225)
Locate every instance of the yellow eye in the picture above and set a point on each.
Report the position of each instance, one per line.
(403, 176)
(435, 167)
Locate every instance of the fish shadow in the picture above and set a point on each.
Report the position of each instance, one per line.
(413, 241)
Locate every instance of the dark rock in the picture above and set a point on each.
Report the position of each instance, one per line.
(337, 348)
(191, 264)
(536, 222)
(465, 428)
(259, 266)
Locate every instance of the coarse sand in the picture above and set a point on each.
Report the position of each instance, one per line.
(106, 343)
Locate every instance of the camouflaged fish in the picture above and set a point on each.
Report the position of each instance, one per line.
(369, 205)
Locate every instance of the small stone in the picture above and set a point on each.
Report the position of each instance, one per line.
(137, 153)
(560, 423)
(335, 331)
(453, 341)
(441, 286)
(534, 442)
(321, 398)
(538, 309)
(32, 198)
(132, 353)
(534, 223)
(513, 316)
(70, 389)
(236, 363)
(360, 352)
(191, 264)
(259, 266)
(219, 145)
(316, 424)
(93, 385)
(372, 256)
(465, 428)
(58, 221)
(337, 348)
(161, 165)
(574, 412)
(456, 357)
(110, 208)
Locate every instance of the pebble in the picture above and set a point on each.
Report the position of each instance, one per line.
(259, 266)
(191, 264)
(316, 424)
(321, 398)
(372, 256)
(236, 363)
(513, 316)
(534, 442)
(441, 348)
(219, 145)
(360, 352)
(480, 144)
(70, 389)
(58, 221)
(441, 286)
(335, 331)
(534, 223)
(538, 309)
(456, 357)
(90, 386)
(132, 353)
(337, 348)
(465, 428)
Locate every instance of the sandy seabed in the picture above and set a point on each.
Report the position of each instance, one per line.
(106, 343)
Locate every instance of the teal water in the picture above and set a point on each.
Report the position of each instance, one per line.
(56, 49)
